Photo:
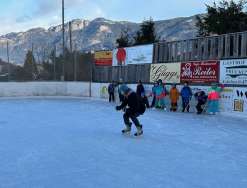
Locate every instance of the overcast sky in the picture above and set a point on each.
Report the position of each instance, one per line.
(21, 15)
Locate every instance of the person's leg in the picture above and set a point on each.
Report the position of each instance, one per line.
(184, 105)
(137, 124)
(109, 97)
(188, 106)
(153, 102)
(113, 97)
(121, 97)
(175, 107)
(210, 107)
(199, 108)
(215, 106)
(171, 109)
(127, 122)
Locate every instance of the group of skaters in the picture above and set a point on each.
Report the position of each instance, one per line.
(134, 103)
(206, 102)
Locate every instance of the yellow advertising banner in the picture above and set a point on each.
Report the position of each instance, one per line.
(167, 72)
(103, 55)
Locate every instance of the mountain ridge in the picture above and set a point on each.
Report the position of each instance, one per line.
(87, 35)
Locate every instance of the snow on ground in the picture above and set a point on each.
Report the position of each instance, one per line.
(73, 143)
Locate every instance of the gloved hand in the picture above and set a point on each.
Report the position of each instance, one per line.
(118, 108)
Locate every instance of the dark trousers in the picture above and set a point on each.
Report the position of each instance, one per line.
(174, 106)
(186, 105)
(154, 101)
(111, 97)
(133, 116)
(121, 97)
(199, 107)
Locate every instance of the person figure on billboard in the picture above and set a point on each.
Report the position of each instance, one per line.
(134, 107)
(111, 92)
(201, 98)
(213, 98)
(161, 93)
(174, 97)
(140, 91)
(186, 94)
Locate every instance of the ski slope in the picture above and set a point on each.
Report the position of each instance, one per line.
(76, 143)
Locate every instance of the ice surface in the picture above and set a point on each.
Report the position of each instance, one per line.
(73, 143)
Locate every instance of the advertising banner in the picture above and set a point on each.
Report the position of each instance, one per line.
(103, 58)
(133, 55)
(167, 72)
(200, 72)
(233, 71)
(240, 100)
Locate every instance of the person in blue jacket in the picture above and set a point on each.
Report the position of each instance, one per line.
(186, 95)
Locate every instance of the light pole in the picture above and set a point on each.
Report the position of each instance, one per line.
(8, 60)
(63, 74)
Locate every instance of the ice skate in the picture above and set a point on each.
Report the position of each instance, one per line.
(127, 130)
(139, 131)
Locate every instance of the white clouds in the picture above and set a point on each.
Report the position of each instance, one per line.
(25, 14)
(45, 13)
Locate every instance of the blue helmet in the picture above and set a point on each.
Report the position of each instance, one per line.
(124, 89)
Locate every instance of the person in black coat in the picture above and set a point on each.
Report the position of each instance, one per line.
(111, 92)
(140, 91)
(202, 99)
(134, 107)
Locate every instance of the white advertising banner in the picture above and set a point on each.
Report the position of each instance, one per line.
(167, 72)
(233, 71)
(240, 100)
(133, 55)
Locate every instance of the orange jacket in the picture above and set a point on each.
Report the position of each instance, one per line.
(174, 95)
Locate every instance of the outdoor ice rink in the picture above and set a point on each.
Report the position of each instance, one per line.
(76, 143)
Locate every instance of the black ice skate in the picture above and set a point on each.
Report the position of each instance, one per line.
(139, 131)
(127, 130)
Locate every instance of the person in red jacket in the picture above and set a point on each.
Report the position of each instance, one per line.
(213, 98)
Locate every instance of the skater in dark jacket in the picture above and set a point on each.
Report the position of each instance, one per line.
(202, 99)
(134, 108)
(111, 92)
(186, 95)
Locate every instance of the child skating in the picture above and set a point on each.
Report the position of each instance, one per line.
(213, 98)
(134, 107)
(174, 97)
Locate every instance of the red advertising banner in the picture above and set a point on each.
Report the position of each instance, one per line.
(103, 58)
(200, 72)
(103, 62)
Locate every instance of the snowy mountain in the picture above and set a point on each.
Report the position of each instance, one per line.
(98, 34)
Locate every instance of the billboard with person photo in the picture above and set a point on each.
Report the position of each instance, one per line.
(133, 55)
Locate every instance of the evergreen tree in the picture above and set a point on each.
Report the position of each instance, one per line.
(30, 67)
(222, 18)
(124, 39)
(146, 34)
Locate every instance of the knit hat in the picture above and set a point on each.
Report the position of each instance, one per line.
(124, 89)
